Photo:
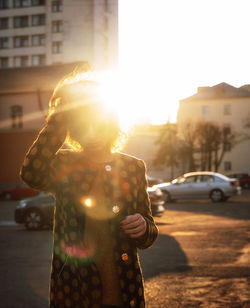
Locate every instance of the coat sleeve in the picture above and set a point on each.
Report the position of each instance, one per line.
(36, 170)
(144, 208)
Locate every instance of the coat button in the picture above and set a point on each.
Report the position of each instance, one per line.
(124, 257)
(108, 168)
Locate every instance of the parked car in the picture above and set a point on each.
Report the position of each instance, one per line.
(243, 178)
(38, 211)
(157, 201)
(200, 185)
(153, 181)
(18, 193)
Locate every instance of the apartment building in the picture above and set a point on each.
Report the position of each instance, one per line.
(40, 42)
(227, 106)
(48, 32)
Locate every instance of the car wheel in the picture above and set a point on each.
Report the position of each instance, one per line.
(8, 196)
(216, 195)
(246, 186)
(33, 219)
(166, 196)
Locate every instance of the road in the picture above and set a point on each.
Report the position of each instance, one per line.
(201, 258)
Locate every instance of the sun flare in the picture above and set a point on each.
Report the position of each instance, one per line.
(136, 98)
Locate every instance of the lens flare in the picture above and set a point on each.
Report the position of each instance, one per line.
(75, 251)
(88, 202)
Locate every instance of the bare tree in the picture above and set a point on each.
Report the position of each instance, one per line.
(213, 141)
(167, 152)
(245, 135)
(188, 137)
(206, 141)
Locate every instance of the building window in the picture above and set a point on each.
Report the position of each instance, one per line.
(57, 47)
(4, 4)
(38, 40)
(227, 129)
(4, 62)
(21, 61)
(38, 20)
(20, 3)
(227, 147)
(57, 26)
(106, 5)
(227, 109)
(4, 42)
(57, 6)
(17, 116)
(205, 110)
(21, 41)
(4, 23)
(38, 60)
(227, 166)
(38, 2)
(21, 21)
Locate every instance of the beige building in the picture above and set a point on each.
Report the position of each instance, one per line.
(47, 32)
(228, 106)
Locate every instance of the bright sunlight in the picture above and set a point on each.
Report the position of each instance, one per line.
(169, 48)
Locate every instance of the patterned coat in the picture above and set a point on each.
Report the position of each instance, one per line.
(75, 280)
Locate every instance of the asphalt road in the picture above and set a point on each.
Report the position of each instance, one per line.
(201, 258)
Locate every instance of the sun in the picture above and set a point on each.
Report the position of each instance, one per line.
(137, 98)
(113, 91)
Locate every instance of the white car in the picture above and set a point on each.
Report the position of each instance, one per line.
(200, 185)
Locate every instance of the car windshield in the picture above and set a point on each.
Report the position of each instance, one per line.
(179, 180)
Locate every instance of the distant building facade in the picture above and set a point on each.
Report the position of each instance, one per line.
(48, 32)
(227, 106)
(41, 41)
(24, 97)
(143, 142)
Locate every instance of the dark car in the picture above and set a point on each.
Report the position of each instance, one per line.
(18, 193)
(37, 212)
(243, 178)
(157, 201)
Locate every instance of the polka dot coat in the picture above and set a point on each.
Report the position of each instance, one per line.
(75, 280)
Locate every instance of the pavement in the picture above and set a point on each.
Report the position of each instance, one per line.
(201, 257)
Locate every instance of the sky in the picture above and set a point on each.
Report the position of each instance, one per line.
(168, 48)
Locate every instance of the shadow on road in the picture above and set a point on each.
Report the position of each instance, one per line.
(166, 255)
(24, 268)
(235, 209)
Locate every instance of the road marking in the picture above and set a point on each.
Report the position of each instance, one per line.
(244, 258)
(7, 223)
(188, 233)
